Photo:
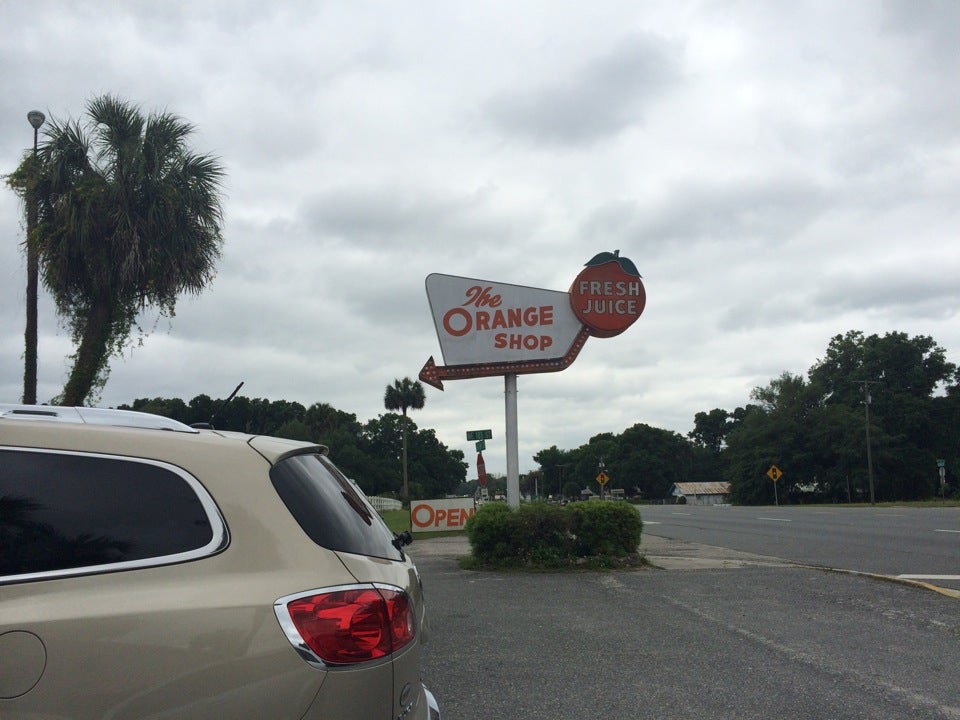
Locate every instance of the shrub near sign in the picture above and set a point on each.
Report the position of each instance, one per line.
(442, 514)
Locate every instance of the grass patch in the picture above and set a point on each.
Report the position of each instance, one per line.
(930, 503)
(396, 520)
(399, 521)
(949, 502)
(438, 534)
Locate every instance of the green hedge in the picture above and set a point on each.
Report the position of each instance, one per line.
(605, 528)
(545, 535)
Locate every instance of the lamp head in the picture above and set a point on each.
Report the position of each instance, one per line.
(36, 118)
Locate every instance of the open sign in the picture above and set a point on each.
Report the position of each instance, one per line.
(442, 514)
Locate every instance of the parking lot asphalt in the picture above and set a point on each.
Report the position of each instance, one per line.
(720, 634)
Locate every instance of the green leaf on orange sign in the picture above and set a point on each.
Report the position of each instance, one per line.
(601, 258)
(626, 264)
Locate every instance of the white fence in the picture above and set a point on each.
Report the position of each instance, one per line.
(381, 503)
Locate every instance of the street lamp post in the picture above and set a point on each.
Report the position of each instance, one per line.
(36, 119)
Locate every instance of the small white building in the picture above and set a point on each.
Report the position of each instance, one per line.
(701, 493)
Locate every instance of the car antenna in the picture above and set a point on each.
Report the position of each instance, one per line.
(209, 425)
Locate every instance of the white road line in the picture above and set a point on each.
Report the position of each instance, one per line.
(652, 522)
(775, 519)
(953, 531)
(929, 577)
(682, 514)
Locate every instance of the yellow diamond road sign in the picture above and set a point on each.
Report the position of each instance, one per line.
(603, 478)
(774, 473)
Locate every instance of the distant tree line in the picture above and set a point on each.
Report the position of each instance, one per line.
(370, 453)
(813, 428)
(643, 461)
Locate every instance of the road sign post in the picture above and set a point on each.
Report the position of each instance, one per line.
(512, 439)
(603, 479)
(774, 473)
(482, 477)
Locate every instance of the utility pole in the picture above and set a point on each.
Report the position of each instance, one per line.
(866, 407)
(559, 480)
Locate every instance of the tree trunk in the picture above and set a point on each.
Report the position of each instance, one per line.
(91, 355)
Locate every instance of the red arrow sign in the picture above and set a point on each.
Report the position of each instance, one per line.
(433, 374)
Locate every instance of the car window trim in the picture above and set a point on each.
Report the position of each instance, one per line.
(220, 533)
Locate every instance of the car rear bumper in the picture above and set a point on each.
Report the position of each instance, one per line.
(433, 710)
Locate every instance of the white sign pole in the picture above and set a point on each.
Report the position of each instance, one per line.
(513, 454)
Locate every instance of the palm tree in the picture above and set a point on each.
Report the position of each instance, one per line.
(403, 395)
(129, 217)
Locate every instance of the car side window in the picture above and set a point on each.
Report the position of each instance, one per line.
(66, 513)
(330, 509)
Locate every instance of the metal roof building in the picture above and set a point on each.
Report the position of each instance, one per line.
(701, 493)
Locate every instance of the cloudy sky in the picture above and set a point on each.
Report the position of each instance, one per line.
(779, 172)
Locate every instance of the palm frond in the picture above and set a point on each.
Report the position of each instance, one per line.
(128, 214)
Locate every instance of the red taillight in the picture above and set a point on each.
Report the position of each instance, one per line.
(353, 625)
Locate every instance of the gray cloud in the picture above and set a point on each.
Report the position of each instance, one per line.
(779, 174)
(770, 209)
(588, 103)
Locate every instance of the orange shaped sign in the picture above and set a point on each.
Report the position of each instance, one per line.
(608, 295)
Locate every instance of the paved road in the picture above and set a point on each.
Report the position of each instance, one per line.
(921, 543)
(732, 635)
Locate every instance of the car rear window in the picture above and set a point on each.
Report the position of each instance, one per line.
(330, 508)
(65, 512)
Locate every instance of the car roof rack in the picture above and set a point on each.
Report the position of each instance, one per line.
(92, 416)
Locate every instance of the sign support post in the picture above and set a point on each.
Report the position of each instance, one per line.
(512, 437)
(602, 478)
(774, 473)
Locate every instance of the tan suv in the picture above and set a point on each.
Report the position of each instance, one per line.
(153, 570)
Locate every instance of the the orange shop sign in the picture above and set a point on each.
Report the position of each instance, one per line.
(489, 328)
(479, 321)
